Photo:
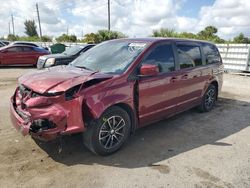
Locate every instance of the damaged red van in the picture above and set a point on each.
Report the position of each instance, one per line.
(117, 87)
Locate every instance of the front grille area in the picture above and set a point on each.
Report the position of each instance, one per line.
(40, 125)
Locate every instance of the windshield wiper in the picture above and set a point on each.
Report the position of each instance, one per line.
(82, 67)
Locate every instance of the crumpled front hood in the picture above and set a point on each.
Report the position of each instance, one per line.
(59, 78)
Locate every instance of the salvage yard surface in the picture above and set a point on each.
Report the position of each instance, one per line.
(189, 150)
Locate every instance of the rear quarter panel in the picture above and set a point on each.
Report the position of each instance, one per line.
(214, 72)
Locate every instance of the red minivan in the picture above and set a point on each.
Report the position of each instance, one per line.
(21, 54)
(117, 87)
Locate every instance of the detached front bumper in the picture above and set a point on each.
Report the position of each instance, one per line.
(47, 122)
(19, 123)
(24, 125)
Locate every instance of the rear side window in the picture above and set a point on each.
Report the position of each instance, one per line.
(162, 56)
(189, 56)
(38, 49)
(185, 60)
(211, 53)
(27, 49)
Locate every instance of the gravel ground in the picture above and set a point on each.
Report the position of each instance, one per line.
(189, 150)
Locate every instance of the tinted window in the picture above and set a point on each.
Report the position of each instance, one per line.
(73, 50)
(162, 56)
(14, 49)
(27, 49)
(185, 60)
(39, 49)
(211, 54)
(191, 53)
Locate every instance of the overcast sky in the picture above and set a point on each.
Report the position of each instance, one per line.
(135, 18)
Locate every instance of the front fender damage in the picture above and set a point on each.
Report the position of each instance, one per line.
(96, 104)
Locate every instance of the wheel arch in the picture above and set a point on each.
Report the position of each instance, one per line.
(131, 114)
(215, 83)
(89, 116)
(211, 82)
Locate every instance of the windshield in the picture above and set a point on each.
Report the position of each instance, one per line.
(112, 57)
(73, 50)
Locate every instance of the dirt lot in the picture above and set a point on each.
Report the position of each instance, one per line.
(188, 150)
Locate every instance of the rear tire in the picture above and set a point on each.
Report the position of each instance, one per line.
(109, 132)
(208, 99)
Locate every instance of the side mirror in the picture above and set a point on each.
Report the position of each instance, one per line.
(149, 70)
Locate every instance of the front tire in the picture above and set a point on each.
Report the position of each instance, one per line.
(208, 99)
(109, 132)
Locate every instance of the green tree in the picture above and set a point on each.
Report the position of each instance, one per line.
(30, 28)
(46, 39)
(102, 35)
(208, 32)
(12, 37)
(91, 38)
(165, 32)
(30, 39)
(240, 39)
(188, 35)
(217, 39)
(66, 38)
(72, 38)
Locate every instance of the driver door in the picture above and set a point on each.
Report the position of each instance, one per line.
(158, 94)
